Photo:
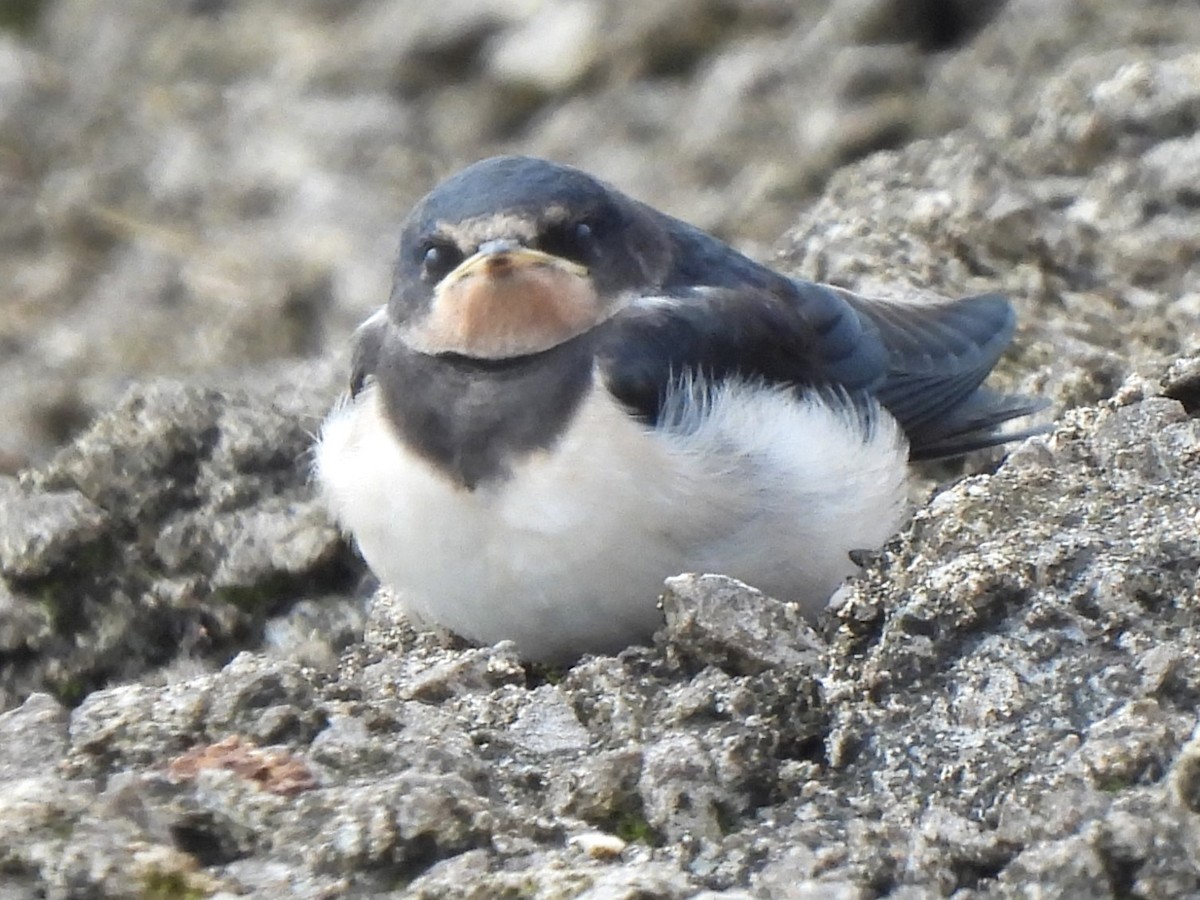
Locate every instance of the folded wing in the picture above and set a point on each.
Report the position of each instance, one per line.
(923, 362)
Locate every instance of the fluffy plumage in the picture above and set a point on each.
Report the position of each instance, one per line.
(695, 412)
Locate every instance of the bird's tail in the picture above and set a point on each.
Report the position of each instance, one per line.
(938, 355)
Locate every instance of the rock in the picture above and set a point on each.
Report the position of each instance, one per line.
(601, 788)
(997, 656)
(548, 725)
(1132, 746)
(276, 771)
(714, 620)
(41, 531)
(199, 696)
(551, 51)
(33, 737)
(680, 794)
(268, 701)
(24, 626)
(172, 528)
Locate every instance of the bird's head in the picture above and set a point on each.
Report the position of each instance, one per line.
(514, 256)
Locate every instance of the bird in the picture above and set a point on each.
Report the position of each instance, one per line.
(571, 396)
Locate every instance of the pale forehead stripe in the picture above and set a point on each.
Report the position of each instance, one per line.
(470, 232)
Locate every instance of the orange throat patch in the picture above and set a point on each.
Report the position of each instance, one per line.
(503, 307)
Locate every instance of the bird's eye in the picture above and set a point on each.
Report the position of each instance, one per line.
(574, 241)
(438, 259)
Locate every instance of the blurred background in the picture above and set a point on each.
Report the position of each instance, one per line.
(210, 189)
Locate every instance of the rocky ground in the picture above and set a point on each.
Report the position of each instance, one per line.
(201, 696)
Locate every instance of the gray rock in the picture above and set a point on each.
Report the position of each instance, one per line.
(548, 725)
(25, 625)
(269, 702)
(715, 620)
(171, 530)
(602, 789)
(398, 827)
(135, 724)
(39, 531)
(33, 738)
(680, 794)
(1003, 704)
(994, 712)
(552, 51)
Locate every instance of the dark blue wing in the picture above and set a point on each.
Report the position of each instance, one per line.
(938, 355)
(806, 337)
(923, 362)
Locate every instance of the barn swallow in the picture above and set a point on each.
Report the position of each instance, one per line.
(570, 396)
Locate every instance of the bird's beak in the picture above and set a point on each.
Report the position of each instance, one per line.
(496, 259)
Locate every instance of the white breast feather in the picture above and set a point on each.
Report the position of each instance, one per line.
(569, 555)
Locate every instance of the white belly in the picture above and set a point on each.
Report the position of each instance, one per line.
(569, 554)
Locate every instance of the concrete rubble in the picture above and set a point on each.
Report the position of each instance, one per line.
(201, 695)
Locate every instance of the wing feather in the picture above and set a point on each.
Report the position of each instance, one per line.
(923, 362)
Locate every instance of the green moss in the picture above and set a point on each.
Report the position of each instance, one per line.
(633, 827)
(262, 598)
(61, 593)
(48, 596)
(69, 691)
(61, 826)
(543, 673)
(247, 598)
(726, 820)
(1112, 784)
(158, 884)
(20, 15)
